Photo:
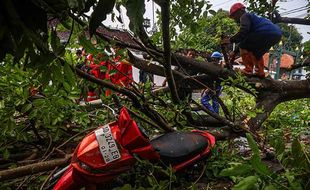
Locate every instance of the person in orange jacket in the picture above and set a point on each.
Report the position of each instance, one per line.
(255, 37)
(123, 75)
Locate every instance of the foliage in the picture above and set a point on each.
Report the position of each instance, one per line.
(186, 13)
(32, 56)
(295, 163)
(52, 113)
(307, 47)
(262, 7)
(292, 117)
(148, 176)
(238, 102)
(294, 159)
(208, 32)
(291, 38)
(308, 11)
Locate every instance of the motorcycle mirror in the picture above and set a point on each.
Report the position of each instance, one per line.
(111, 109)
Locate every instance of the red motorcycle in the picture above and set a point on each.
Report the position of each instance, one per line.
(109, 151)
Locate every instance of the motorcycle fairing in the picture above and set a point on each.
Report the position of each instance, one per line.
(88, 165)
(66, 182)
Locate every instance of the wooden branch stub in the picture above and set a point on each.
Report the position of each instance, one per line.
(32, 168)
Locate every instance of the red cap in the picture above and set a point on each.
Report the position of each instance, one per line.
(235, 7)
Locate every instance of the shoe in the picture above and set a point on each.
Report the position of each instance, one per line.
(259, 70)
(247, 62)
(259, 75)
(244, 71)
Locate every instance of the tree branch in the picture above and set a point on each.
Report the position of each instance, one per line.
(32, 168)
(277, 18)
(267, 103)
(165, 13)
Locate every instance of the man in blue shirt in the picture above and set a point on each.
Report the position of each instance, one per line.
(255, 37)
(213, 94)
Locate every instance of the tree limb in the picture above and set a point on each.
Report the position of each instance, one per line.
(165, 13)
(32, 168)
(267, 104)
(277, 18)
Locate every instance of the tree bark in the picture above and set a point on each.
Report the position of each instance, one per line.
(165, 13)
(32, 168)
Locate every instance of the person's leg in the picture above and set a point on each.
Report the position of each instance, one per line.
(259, 64)
(216, 106)
(258, 45)
(247, 61)
(264, 44)
(205, 101)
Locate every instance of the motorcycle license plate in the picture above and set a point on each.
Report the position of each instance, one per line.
(107, 145)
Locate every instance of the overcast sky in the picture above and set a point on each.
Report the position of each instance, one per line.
(286, 6)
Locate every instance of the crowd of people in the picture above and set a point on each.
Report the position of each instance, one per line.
(105, 66)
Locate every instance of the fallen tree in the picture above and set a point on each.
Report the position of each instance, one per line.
(30, 48)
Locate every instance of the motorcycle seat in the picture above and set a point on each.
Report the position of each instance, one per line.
(177, 147)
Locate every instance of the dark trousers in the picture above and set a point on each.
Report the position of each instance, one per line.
(259, 44)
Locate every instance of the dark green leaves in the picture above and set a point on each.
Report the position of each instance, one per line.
(100, 14)
(237, 170)
(247, 183)
(55, 43)
(76, 4)
(256, 162)
(135, 11)
(301, 158)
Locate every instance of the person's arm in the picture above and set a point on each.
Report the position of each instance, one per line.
(245, 25)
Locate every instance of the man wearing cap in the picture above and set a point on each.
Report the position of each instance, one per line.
(255, 37)
(213, 94)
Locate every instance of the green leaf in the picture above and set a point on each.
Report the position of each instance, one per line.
(112, 72)
(100, 14)
(56, 73)
(237, 170)
(55, 43)
(294, 184)
(212, 12)
(87, 45)
(26, 108)
(125, 187)
(33, 114)
(247, 183)
(76, 4)
(6, 154)
(269, 187)
(252, 144)
(69, 75)
(301, 159)
(103, 68)
(259, 166)
(88, 4)
(256, 162)
(208, 6)
(67, 87)
(279, 146)
(135, 12)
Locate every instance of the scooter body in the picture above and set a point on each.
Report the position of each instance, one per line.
(109, 151)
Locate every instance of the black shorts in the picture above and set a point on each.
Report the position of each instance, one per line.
(259, 44)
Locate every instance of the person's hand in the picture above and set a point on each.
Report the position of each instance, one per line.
(225, 41)
(232, 55)
(204, 91)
